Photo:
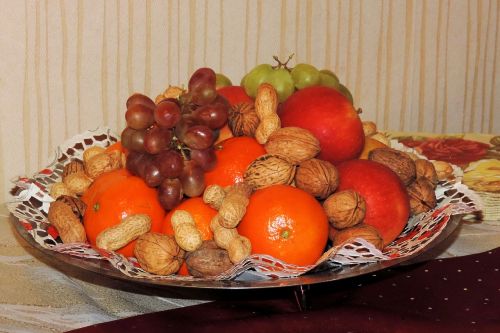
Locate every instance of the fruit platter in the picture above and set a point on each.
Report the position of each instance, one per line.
(274, 182)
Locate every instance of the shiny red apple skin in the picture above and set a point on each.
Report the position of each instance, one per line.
(330, 117)
(387, 202)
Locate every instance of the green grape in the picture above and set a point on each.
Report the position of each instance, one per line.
(255, 77)
(305, 75)
(329, 72)
(282, 81)
(344, 91)
(328, 79)
(222, 81)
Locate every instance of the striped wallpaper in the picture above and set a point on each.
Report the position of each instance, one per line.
(68, 66)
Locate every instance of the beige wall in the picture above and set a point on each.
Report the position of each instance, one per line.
(68, 66)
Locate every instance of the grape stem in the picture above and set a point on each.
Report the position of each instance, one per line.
(283, 64)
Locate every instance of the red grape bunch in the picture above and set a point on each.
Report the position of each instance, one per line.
(171, 144)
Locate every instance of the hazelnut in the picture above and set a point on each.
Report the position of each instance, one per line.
(345, 209)
(294, 143)
(365, 231)
(426, 169)
(243, 120)
(397, 161)
(422, 196)
(317, 177)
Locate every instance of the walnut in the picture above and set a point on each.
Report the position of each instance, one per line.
(243, 120)
(317, 177)
(422, 196)
(74, 166)
(397, 161)
(294, 143)
(426, 169)
(345, 209)
(77, 206)
(158, 253)
(269, 170)
(207, 261)
(365, 231)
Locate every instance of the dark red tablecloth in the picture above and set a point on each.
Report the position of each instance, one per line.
(444, 295)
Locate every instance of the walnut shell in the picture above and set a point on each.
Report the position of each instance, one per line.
(365, 231)
(77, 206)
(294, 143)
(74, 166)
(397, 161)
(243, 120)
(269, 170)
(317, 177)
(422, 196)
(426, 169)
(158, 253)
(209, 260)
(345, 209)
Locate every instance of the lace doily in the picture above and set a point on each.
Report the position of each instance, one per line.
(31, 203)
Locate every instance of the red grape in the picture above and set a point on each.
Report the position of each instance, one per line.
(170, 163)
(140, 99)
(151, 174)
(202, 76)
(167, 113)
(139, 116)
(157, 139)
(137, 141)
(192, 179)
(205, 158)
(199, 137)
(170, 193)
(212, 115)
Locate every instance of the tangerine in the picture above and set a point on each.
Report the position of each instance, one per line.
(113, 196)
(286, 223)
(117, 146)
(233, 157)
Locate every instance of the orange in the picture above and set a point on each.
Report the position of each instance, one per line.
(117, 146)
(286, 223)
(113, 196)
(202, 214)
(233, 157)
(370, 144)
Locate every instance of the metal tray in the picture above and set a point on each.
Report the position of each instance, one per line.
(103, 268)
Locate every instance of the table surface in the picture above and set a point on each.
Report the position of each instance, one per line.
(41, 296)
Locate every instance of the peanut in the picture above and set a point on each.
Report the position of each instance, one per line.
(68, 226)
(103, 162)
(92, 151)
(58, 189)
(186, 234)
(77, 182)
(214, 195)
(233, 206)
(129, 229)
(239, 248)
(266, 106)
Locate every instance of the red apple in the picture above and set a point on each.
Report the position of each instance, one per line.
(330, 117)
(387, 203)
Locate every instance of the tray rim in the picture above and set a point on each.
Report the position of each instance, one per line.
(103, 268)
